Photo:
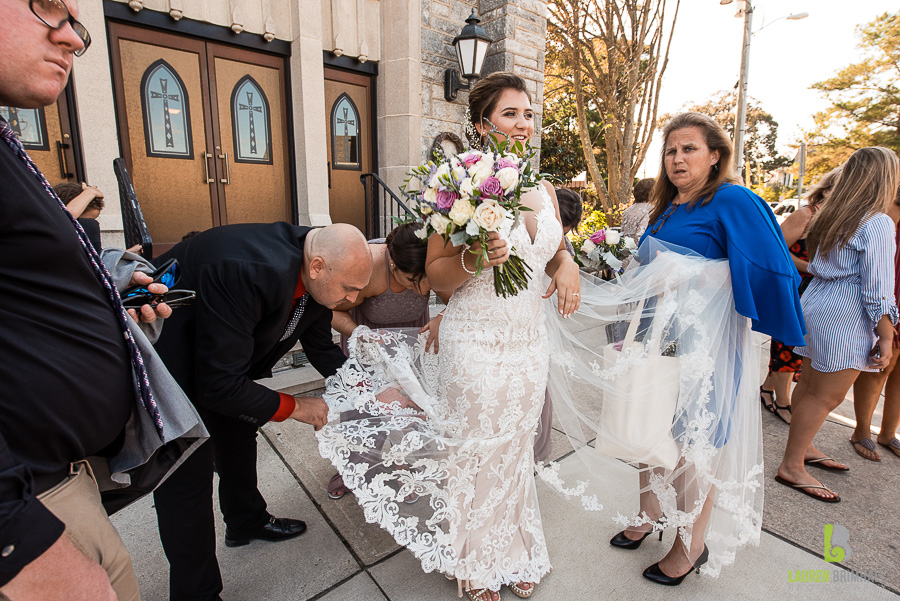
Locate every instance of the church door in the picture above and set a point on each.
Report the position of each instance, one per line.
(203, 130)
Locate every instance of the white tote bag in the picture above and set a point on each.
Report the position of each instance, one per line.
(636, 426)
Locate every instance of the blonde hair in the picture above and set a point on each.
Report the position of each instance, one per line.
(716, 139)
(816, 194)
(866, 187)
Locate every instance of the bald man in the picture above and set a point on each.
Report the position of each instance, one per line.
(260, 289)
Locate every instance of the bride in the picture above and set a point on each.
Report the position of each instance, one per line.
(454, 481)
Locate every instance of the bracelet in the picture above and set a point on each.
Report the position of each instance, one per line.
(462, 260)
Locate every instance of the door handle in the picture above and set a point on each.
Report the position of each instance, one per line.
(227, 179)
(206, 157)
(329, 175)
(61, 157)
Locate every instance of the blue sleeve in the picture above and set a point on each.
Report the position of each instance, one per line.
(876, 268)
(763, 277)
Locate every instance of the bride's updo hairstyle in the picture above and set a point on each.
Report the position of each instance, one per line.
(407, 250)
(716, 139)
(483, 100)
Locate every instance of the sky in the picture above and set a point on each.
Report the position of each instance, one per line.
(786, 57)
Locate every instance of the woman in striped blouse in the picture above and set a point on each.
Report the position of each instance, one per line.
(849, 308)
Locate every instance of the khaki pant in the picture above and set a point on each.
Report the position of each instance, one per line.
(76, 502)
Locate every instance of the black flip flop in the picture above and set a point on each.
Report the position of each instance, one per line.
(802, 488)
(817, 462)
(770, 406)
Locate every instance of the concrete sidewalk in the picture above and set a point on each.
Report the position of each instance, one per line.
(341, 558)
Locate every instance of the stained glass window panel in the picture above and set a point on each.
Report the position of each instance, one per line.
(167, 123)
(345, 129)
(250, 122)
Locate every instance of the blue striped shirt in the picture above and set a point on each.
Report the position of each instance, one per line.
(852, 289)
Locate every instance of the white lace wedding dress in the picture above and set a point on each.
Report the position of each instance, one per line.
(466, 458)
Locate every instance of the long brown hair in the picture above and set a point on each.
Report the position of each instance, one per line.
(716, 139)
(866, 186)
(816, 194)
(486, 94)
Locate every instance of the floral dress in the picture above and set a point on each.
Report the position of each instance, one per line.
(782, 357)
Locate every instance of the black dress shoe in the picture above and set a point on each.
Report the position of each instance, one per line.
(656, 575)
(623, 542)
(275, 529)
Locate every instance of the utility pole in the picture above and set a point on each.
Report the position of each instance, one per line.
(741, 125)
(802, 172)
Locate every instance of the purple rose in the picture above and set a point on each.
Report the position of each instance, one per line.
(598, 236)
(504, 163)
(445, 199)
(491, 187)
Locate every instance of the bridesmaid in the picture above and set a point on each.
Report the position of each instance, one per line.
(397, 296)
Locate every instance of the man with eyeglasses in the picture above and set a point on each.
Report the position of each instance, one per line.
(56, 301)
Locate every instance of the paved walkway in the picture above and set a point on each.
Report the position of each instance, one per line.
(341, 558)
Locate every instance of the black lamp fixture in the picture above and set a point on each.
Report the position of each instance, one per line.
(471, 49)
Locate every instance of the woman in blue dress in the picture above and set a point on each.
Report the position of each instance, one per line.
(698, 205)
(850, 306)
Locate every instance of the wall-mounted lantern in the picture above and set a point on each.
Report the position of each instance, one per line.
(472, 46)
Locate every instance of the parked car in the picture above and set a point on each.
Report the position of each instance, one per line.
(784, 208)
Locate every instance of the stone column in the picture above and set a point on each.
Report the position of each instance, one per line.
(308, 106)
(97, 120)
(399, 94)
(519, 31)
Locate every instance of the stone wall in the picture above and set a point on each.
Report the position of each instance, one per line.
(519, 31)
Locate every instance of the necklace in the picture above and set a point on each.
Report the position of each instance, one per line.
(663, 218)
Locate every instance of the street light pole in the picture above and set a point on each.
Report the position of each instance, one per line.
(741, 125)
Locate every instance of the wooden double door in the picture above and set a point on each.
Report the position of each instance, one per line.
(203, 130)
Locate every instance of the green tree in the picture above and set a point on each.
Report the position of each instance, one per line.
(562, 154)
(760, 153)
(865, 99)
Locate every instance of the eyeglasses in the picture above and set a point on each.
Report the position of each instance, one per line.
(663, 218)
(55, 14)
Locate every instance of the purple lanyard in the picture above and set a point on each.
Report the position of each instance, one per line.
(137, 362)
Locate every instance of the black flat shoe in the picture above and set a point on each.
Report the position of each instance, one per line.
(623, 542)
(276, 529)
(654, 574)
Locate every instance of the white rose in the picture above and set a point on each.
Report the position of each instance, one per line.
(459, 172)
(509, 178)
(424, 208)
(430, 195)
(423, 231)
(588, 247)
(461, 211)
(629, 243)
(481, 170)
(489, 215)
(440, 223)
(466, 188)
(612, 237)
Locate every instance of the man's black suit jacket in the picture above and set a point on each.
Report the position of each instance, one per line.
(245, 277)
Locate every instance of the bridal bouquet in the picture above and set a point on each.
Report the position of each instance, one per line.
(605, 249)
(466, 196)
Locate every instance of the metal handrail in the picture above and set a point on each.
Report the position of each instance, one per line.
(383, 204)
